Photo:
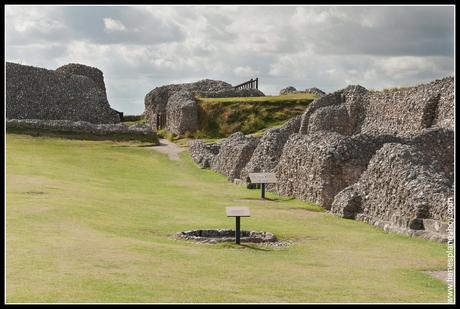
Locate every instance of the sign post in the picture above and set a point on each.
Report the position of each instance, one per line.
(237, 212)
(262, 179)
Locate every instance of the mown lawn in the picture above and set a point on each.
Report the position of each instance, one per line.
(94, 221)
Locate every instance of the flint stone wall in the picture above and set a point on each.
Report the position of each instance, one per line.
(202, 153)
(181, 113)
(400, 112)
(317, 166)
(234, 153)
(268, 151)
(37, 93)
(156, 101)
(79, 69)
(137, 131)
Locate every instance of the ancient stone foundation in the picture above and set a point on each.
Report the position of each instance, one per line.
(117, 131)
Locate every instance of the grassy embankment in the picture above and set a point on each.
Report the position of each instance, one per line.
(220, 117)
(94, 221)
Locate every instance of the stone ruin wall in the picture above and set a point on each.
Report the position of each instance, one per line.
(37, 93)
(78, 69)
(385, 158)
(177, 102)
(110, 131)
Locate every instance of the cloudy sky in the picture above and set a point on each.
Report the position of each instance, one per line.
(329, 47)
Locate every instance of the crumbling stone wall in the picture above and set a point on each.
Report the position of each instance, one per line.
(202, 153)
(234, 153)
(37, 93)
(268, 151)
(397, 112)
(156, 102)
(402, 190)
(181, 113)
(79, 69)
(317, 166)
(385, 158)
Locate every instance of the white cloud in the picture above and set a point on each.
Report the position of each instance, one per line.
(141, 47)
(113, 25)
(245, 71)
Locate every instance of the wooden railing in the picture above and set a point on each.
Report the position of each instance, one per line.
(250, 84)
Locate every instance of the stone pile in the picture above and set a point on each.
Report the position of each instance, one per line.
(36, 93)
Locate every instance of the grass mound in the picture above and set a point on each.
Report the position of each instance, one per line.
(220, 117)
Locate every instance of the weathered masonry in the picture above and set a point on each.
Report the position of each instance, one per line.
(382, 157)
(174, 108)
(73, 92)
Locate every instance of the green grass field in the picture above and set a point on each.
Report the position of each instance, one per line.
(220, 117)
(94, 221)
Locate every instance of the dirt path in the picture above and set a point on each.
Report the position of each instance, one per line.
(169, 148)
(439, 275)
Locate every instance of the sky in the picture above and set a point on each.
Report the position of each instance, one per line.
(139, 48)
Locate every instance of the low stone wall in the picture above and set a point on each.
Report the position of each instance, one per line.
(90, 130)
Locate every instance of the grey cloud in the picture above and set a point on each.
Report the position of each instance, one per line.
(326, 47)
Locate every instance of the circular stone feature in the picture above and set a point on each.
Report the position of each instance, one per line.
(214, 236)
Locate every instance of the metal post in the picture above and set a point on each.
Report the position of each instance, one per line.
(237, 231)
(262, 191)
